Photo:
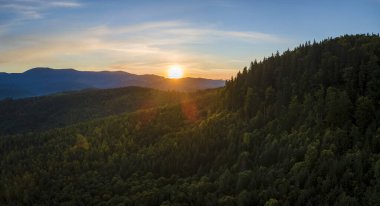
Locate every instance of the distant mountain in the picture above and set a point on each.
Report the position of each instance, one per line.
(43, 81)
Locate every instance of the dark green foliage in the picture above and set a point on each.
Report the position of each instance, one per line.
(365, 112)
(41, 113)
(301, 128)
(338, 107)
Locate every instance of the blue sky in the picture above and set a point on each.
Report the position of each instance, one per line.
(213, 39)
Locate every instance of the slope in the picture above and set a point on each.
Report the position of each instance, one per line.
(41, 113)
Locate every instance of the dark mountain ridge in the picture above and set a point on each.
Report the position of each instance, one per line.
(43, 81)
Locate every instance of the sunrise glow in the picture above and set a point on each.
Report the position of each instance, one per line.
(175, 72)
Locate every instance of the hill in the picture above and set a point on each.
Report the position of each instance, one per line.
(62, 109)
(43, 81)
(300, 128)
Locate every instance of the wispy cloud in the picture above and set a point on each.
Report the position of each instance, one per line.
(28, 11)
(65, 4)
(178, 32)
(142, 48)
(34, 9)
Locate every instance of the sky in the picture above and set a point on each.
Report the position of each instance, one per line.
(208, 38)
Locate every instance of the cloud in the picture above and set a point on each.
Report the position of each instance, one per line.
(65, 4)
(142, 48)
(34, 9)
(179, 32)
(28, 11)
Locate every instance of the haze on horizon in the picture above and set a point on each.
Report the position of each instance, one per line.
(212, 39)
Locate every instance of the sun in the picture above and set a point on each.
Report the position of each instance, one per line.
(175, 72)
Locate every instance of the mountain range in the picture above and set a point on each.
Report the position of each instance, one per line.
(43, 81)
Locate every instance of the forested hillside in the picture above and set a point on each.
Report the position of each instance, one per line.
(62, 109)
(298, 128)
